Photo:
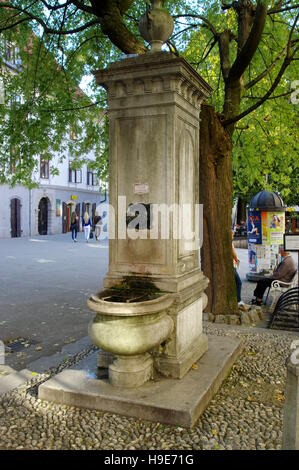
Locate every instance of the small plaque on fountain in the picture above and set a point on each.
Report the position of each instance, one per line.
(141, 188)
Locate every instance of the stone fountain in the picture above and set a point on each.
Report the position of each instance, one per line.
(154, 105)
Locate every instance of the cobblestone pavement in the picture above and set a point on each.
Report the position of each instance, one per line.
(245, 414)
(44, 282)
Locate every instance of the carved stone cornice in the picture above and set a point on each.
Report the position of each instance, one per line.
(153, 74)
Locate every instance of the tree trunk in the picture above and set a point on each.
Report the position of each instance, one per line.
(241, 210)
(215, 182)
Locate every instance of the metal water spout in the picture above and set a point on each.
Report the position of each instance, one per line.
(156, 25)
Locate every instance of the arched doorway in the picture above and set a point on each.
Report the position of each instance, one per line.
(43, 216)
(70, 207)
(15, 217)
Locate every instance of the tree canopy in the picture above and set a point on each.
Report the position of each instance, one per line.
(246, 50)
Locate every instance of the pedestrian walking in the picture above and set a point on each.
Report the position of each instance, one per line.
(74, 226)
(87, 226)
(236, 262)
(98, 223)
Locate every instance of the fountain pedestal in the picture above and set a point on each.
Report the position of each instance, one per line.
(154, 108)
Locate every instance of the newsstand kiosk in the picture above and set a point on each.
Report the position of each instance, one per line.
(265, 230)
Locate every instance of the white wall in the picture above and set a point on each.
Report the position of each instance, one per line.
(62, 179)
(6, 194)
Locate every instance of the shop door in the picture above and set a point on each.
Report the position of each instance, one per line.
(94, 206)
(68, 217)
(43, 216)
(83, 210)
(15, 217)
(64, 215)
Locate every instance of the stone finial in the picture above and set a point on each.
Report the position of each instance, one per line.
(156, 25)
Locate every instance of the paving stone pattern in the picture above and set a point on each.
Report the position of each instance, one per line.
(245, 414)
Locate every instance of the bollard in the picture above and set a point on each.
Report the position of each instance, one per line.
(290, 437)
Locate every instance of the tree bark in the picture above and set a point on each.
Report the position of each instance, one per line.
(110, 13)
(215, 183)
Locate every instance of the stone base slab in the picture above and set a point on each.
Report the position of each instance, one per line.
(171, 401)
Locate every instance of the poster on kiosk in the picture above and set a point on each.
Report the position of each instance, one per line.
(265, 234)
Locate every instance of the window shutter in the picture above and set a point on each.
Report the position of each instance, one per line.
(83, 210)
(13, 218)
(93, 212)
(18, 217)
(64, 213)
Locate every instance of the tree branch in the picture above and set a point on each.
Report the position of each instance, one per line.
(259, 77)
(101, 102)
(45, 27)
(111, 14)
(55, 7)
(78, 4)
(83, 7)
(224, 40)
(5, 28)
(248, 50)
(209, 50)
(280, 10)
(287, 93)
(202, 18)
(287, 60)
(184, 30)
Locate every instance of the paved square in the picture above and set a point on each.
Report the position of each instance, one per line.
(43, 289)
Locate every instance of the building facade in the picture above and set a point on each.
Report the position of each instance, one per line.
(47, 209)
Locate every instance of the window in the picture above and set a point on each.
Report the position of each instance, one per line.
(12, 54)
(75, 176)
(78, 176)
(91, 177)
(44, 168)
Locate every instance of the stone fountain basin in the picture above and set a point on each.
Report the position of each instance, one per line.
(129, 329)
